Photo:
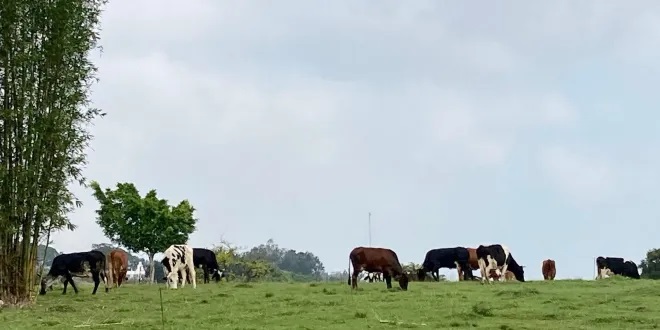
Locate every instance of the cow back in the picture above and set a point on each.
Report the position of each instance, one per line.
(375, 259)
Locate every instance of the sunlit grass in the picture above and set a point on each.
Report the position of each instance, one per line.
(572, 304)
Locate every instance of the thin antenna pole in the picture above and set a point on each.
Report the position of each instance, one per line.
(370, 229)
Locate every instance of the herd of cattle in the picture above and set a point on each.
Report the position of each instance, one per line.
(180, 262)
(112, 268)
(491, 260)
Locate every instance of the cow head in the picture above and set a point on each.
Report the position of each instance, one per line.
(403, 281)
(518, 272)
(43, 287)
(218, 274)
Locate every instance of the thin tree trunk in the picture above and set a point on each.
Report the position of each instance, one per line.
(152, 269)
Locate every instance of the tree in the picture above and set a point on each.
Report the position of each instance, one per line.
(303, 263)
(651, 265)
(45, 79)
(49, 252)
(146, 224)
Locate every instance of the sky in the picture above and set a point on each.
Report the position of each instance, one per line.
(528, 124)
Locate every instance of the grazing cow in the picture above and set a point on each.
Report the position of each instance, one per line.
(456, 257)
(178, 257)
(380, 260)
(118, 266)
(548, 269)
(205, 258)
(617, 266)
(498, 257)
(79, 264)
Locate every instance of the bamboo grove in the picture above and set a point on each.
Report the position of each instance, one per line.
(45, 113)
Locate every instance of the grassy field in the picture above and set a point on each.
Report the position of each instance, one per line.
(614, 303)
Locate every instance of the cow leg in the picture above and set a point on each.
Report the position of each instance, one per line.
(503, 275)
(97, 280)
(66, 284)
(484, 269)
(436, 275)
(354, 278)
(207, 279)
(191, 272)
(459, 270)
(69, 279)
(388, 279)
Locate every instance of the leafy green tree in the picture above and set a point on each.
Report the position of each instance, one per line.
(651, 265)
(45, 80)
(146, 224)
(302, 263)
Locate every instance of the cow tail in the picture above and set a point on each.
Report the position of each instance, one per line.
(108, 272)
(349, 271)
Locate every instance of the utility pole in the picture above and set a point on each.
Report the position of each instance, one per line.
(369, 229)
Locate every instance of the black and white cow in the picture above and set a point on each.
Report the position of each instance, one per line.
(205, 258)
(79, 264)
(498, 257)
(178, 258)
(373, 276)
(456, 257)
(613, 265)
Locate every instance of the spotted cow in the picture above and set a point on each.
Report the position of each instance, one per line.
(178, 257)
(617, 266)
(499, 258)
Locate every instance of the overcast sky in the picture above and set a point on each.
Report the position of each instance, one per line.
(530, 124)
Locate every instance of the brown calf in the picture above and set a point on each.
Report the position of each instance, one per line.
(509, 275)
(119, 265)
(548, 269)
(380, 260)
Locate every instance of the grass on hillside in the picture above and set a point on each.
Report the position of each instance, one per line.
(614, 303)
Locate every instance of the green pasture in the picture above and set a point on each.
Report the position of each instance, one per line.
(614, 303)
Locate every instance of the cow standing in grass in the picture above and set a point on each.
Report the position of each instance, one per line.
(617, 266)
(79, 264)
(118, 266)
(380, 260)
(178, 258)
(548, 269)
(498, 257)
(455, 257)
(205, 259)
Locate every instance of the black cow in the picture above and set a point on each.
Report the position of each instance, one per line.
(205, 258)
(78, 264)
(617, 266)
(457, 257)
(498, 256)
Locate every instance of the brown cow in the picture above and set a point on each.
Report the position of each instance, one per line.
(376, 260)
(548, 269)
(119, 265)
(472, 261)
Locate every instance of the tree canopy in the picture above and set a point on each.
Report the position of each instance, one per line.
(142, 224)
(651, 265)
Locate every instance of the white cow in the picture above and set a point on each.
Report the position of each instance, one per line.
(178, 257)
